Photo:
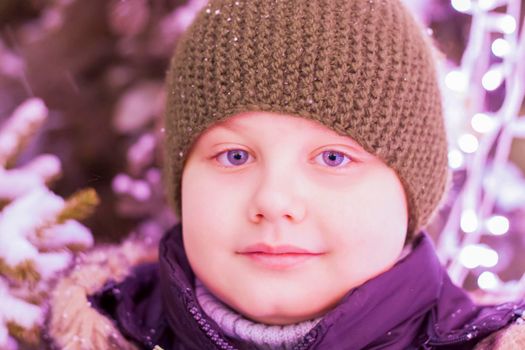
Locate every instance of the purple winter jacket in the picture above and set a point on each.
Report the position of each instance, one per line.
(414, 305)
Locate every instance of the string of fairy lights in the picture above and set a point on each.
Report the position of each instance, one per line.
(494, 60)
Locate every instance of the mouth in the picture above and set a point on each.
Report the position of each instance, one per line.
(279, 257)
(280, 261)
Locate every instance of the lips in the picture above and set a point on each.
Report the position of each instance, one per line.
(281, 249)
(278, 257)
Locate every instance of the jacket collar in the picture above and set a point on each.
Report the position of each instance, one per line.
(412, 304)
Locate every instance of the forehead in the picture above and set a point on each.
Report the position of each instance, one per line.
(247, 122)
(249, 119)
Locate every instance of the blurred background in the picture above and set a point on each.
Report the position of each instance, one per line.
(81, 101)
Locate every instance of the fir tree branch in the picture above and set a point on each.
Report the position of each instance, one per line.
(28, 336)
(79, 206)
(25, 271)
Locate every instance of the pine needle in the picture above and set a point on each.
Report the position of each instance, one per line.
(25, 271)
(79, 206)
(28, 336)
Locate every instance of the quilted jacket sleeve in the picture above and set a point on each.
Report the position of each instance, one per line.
(73, 323)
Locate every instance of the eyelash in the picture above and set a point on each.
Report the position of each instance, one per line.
(338, 167)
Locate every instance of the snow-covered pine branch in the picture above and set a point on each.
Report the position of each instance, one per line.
(39, 230)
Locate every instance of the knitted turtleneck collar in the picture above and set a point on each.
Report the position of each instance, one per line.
(263, 336)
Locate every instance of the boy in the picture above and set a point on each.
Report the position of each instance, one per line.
(305, 151)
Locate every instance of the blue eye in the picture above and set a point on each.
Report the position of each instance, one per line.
(234, 157)
(333, 158)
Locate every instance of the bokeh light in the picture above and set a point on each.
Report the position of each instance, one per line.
(492, 79)
(498, 225)
(461, 5)
(469, 221)
(455, 159)
(468, 143)
(482, 123)
(500, 47)
(476, 255)
(456, 81)
(488, 281)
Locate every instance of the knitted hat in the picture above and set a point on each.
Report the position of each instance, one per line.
(363, 68)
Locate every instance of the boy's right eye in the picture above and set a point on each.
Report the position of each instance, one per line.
(232, 157)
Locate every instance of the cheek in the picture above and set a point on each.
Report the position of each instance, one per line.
(390, 216)
(210, 214)
(366, 221)
(208, 199)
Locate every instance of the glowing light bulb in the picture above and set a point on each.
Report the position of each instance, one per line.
(489, 257)
(498, 225)
(469, 256)
(486, 4)
(468, 143)
(475, 255)
(456, 81)
(492, 79)
(482, 123)
(488, 281)
(469, 221)
(500, 47)
(461, 5)
(455, 159)
(507, 24)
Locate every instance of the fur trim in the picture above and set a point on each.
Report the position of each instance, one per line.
(73, 324)
(510, 337)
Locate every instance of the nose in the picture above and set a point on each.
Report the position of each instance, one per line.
(276, 198)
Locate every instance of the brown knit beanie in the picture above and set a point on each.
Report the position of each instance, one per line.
(363, 68)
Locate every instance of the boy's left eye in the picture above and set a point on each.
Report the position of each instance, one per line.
(333, 158)
(235, 157)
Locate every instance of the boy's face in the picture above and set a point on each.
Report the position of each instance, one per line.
(271, 179)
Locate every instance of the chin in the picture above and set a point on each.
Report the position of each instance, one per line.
(280, 320)
(283, 316)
